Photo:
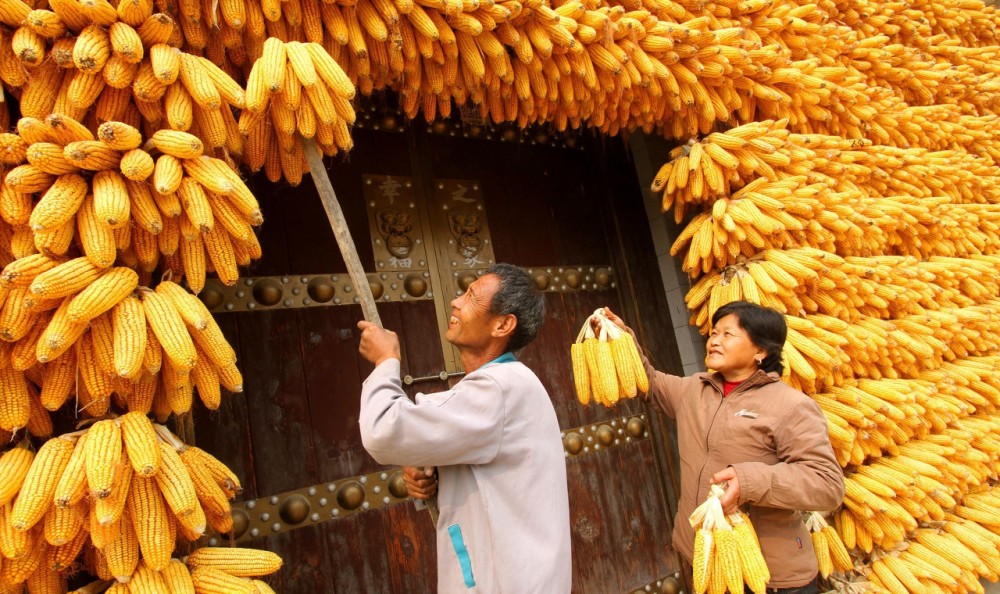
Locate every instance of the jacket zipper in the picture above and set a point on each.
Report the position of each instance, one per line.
(708, 434)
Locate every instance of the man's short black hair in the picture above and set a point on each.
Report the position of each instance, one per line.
(519, 296)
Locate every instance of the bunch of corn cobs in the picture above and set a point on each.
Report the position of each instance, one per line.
(606, 365)
(726, 550)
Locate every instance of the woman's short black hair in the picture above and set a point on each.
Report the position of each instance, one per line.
(519, 296)
(764, 326)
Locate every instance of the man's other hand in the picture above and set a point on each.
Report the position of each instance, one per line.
(421, 481)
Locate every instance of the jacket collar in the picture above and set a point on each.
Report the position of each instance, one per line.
(760, 378)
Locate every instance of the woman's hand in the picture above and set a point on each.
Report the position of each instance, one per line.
(730, 500)
(421, 481)
(595, 322)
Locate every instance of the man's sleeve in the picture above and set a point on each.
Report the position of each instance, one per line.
(807, 478)
(463, 425)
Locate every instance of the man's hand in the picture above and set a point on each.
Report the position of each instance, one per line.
(731, 499)
(377, 344)
(421, 482)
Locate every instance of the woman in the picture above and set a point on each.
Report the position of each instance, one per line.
(767, 441)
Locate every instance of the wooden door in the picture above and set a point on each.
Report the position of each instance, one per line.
(574, 216)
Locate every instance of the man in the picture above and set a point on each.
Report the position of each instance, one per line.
(494, 438)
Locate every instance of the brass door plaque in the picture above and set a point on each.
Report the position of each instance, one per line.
(458, 214)
(394, 223)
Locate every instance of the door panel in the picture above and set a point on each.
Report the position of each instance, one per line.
(296, 425)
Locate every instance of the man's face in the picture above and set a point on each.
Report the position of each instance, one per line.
(471, 323)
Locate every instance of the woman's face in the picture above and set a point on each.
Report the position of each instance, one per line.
(730, 350)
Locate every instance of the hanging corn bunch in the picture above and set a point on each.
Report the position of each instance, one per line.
(606, 366)
(831, 554)
(727, 553)
(126, 487)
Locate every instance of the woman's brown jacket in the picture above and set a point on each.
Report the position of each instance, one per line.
(776, 439)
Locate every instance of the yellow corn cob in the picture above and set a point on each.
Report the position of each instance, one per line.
(14, 13)
(219, 248)
(13, 149)
(129, 322)
(19, 570)
(135, 12)
(28, 179)
(93, 155)
(209, 580)
(223, 476)
(65, 555)
(107, 512)
(102, 337)
(236, 561)
(103, 294)
(144, 210)
(156, 29)
(111, 199)
(39, 484)
(165, 62)
(175, 483)
(839, 556)
(96, 238)
(55, 242)
(704, 559)
(177, 388)
(136, 165)
(755, 570)
(177, 576)
(214, 500)
(28, 46)
(581, 376)
(272, 65)
(92, 49)
(198, 82)
(196, 205)
(65, 279)
(59, 335)
(59, 203)
(140, 443)
(119, 136)
(167, 175)
(228, 88)
(14, 465)
(125, 42)
(624, 365)
(62, 524)
(15, 407)
(232, 220)
(146, 579)
(15, 317)
(48, 157)
(205, 378)
(148, 514)
(178, 144)
(22, 271)
(13, 543)
(38, 96)
(822, 550)
(66, 130)
(170, 331)
(603, 375)
(72, 485)
(103, 456)
(123, 552)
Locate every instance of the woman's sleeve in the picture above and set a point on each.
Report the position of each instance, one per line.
(808, 476)
(665, 390)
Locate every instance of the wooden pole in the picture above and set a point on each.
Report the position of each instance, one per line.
(347, 249)
(339, 225)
